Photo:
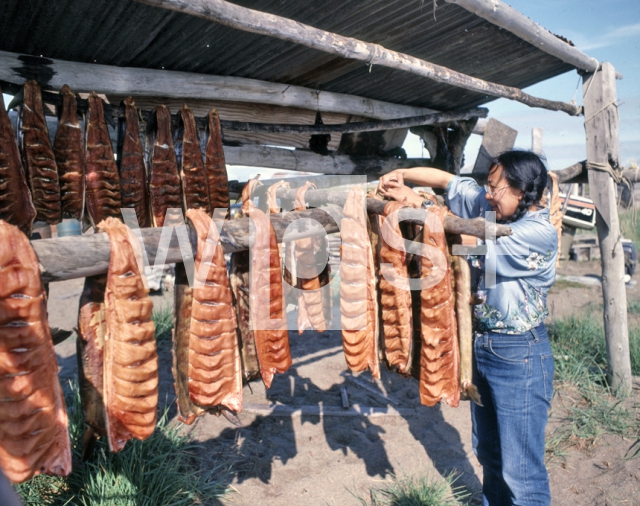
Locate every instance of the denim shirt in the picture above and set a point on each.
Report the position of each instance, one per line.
(525, 264)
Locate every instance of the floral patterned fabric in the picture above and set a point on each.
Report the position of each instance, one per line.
(523, 265)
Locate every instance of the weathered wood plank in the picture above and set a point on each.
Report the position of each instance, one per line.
(498, 137)
(266, 156)
(254, 21)
(603, 145)
(87, 77)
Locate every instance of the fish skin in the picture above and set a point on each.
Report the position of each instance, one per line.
(16, 206)
(34, 438)
(310, 304)
(214, 164)
(358, 300)
(266, 298)
(462, 276)
(215, 371)
(195, 188)
(131, 165)
(130, 347)
(38, 157)
(183, 299)
(397, 320)
(239, 280)
(102, 195)
(164, 179)
(439, 354)
(92, 326)
(68, 148)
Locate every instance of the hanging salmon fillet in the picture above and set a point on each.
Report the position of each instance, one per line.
(195, 191)
(130, 359)
(68, 148)
(133, 172)
(268, 318)
(164, 180)
(439, 354)
(395, 301)
(33, 418)
(214, 164)
(214, 369)
(239, 279)
(16, 206)
(310, 304)
(39, 161)
(358, 301)
(101, 174)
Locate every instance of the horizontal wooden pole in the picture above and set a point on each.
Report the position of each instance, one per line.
(88, 255)
(263, 23)
(576, 173)
(254, 155)
(508, 18)
(87, 77)
(117, 111)
(359, 126)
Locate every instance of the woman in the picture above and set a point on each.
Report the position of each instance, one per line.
(513, 364)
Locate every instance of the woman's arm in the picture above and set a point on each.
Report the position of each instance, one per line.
(422, 176)
(392, 185)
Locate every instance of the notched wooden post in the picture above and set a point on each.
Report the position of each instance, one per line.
(603, 146)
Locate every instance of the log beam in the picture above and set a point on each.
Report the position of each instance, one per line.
(603, 147)
(307, 161)
(508, 18)
(263, 23)
(87, 77)
(88, 255)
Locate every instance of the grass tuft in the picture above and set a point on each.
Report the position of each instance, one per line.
(163, 319)
(160, 471)
(580, 369)
(418, 491)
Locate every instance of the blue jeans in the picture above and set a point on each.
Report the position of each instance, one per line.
(514, 375)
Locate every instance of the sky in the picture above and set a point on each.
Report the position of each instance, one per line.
(608, 30)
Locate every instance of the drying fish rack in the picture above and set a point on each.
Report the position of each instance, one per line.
(88, 255)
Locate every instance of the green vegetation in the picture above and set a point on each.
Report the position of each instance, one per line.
(630, 226)
(163, 319)
(418, 491)
(580, 372)
(159, 471)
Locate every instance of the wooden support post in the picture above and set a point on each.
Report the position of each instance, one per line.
(601, 126)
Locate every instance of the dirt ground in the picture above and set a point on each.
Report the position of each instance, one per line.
(299, 446)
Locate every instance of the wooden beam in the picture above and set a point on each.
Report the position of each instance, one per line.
(86, 77)
(88, 255)
(506, 17)
(307, 161)
(359, 126)
(603, 146)
(263, 23)
(576, 173)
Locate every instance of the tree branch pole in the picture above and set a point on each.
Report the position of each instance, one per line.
(250, 20)
(88, 255)
(602, 146)
(508, 18)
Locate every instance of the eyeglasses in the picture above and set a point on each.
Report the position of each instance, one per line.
(492, 194)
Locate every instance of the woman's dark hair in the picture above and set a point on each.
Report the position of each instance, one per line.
(523, 170)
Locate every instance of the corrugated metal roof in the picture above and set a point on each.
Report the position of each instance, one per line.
(130, 34)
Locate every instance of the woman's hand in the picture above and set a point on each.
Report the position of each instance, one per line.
(395, 176)
(401, 193)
